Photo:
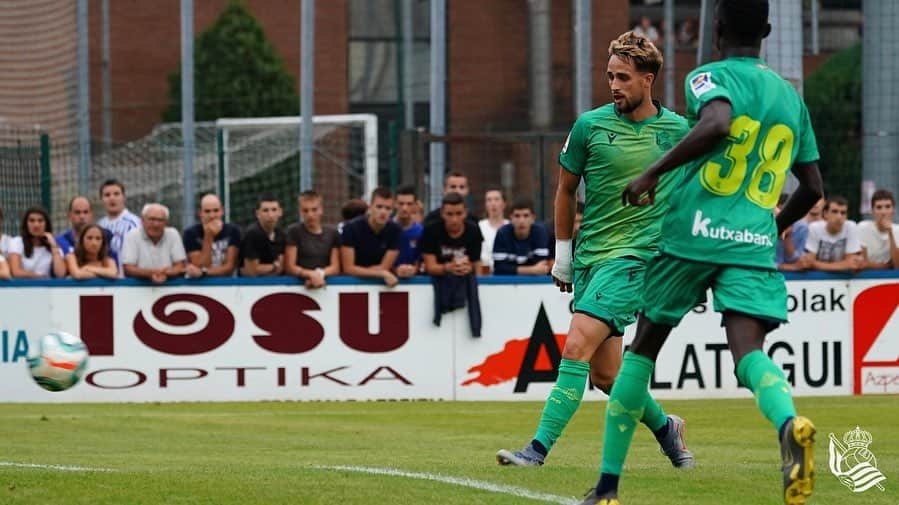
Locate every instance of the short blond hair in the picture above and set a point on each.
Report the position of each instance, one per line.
(638, 49)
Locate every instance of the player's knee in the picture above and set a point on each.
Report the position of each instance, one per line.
(577, 348)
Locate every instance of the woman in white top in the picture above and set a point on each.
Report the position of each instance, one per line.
(90, 258)
(35, 253)
(4, 269)
(495, 207)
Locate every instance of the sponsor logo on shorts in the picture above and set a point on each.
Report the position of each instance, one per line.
(702, 226)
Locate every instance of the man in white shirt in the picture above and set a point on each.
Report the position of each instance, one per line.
(832, 244)
(154, 251)
(118, 219)
(878, 236)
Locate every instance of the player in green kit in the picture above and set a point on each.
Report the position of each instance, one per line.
(607, 147)
(720, 233)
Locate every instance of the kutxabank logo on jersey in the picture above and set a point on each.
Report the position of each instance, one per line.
(852, 463)
(702, 226)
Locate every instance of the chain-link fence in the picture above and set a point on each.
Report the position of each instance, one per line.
(25, 180)
(518, 163)
(238, 166)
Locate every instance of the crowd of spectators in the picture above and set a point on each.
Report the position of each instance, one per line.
(686, 34)
(388, 238)
(826, 240)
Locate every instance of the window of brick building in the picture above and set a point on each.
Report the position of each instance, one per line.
(375, 51)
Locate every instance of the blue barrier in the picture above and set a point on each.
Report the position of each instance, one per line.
(342, 280)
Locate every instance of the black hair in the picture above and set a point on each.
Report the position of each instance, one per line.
(836, 200)
(745, 22)
(523, 203)
(452, 198)
(266, 197)
(882, 194)
(112, 182)
(406, 190)
(26, 233)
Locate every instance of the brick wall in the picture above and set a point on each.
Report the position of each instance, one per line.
(145, 47)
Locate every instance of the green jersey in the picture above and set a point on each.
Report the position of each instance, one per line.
(723, 210)
(608, 151)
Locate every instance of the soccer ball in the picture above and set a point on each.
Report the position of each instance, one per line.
(57, 360)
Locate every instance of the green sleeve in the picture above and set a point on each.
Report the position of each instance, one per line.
(701, 87)
(808, 145)
(574, 153)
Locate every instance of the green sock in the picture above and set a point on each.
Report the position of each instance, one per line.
(627, 405)
(653, 416)
(766, 380)
(563, 401)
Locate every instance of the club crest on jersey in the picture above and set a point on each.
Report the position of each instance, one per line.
(663, 140)
(701, 84)
(612, 136)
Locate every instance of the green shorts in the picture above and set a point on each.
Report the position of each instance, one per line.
(610, 291)
(674, 286)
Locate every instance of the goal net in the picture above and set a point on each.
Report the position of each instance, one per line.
(261, 155)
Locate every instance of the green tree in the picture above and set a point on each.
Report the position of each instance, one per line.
(237, 72)
(833, 95)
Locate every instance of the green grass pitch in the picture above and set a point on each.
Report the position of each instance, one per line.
(438, 453)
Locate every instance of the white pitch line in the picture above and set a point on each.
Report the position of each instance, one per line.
(64, 468)
(458, 481)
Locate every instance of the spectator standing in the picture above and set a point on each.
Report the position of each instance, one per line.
(118, 219)
(80, 215)
(687, 35)
(522, 246)
(832, 243)
(212, 245)
(90, 257)
(646, 29)
(351, 210)
(370, 244)
(418, 213)
(878, 236)
(454, 182)
(262, 249)
(35, 253)
(409, 258)
(495, 209)
(153, 251)
(313, 250)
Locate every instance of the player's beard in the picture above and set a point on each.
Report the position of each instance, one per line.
(627, 106)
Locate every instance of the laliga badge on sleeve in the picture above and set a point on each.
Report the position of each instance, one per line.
(702, 83)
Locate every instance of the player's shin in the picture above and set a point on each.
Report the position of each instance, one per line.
(766, 380)
(626, 408)
(563, 401)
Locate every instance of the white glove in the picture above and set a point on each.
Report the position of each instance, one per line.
(562, 267)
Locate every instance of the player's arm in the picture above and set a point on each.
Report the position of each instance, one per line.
(564, 207)
(713, 126)
(894, 249)
(810, 190)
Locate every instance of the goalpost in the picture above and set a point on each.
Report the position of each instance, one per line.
(261, 155)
